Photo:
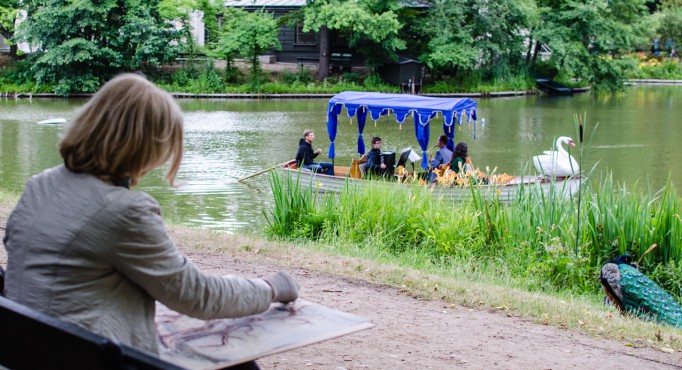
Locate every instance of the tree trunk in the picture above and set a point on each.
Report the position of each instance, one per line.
(8, 35)
(323, 70)
(538, 46)
(530, 50)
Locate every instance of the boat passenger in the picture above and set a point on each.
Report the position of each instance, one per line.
(375, 162)
(305, 155)
(84, 247)
(460, 159)
(442, 157)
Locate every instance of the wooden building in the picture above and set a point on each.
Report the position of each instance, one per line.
(297, 46)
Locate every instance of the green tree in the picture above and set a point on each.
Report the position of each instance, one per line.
(181, 11)
(450, 37)
(210, 8)
(499, 29)
(372, 24)
(468, 34)
(248, 35)
(671, 22)
(83, 43)
(588, 38)
(227, 45)
(9, 9)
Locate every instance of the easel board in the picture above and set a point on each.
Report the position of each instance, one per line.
(215, 344)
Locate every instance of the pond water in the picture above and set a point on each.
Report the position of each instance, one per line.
(637, 139)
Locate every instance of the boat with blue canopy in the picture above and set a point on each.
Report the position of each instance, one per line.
(423, 109)
(423, 112)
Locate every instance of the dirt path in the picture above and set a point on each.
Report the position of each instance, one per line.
(414, 334)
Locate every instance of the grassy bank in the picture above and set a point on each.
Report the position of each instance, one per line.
(203, 78)
(7, 201)
(540, 241)
(583, 313)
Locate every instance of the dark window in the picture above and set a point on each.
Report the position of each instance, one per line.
(305, 38)
(341, 39)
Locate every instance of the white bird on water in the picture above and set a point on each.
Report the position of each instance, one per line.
(557, 163)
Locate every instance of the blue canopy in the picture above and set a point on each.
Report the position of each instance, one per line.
(422, 109)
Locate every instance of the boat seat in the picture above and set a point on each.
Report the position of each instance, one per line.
(358, 167)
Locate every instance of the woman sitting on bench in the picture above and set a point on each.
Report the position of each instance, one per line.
(85, 248)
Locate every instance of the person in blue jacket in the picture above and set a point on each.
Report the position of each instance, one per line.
(442, 157)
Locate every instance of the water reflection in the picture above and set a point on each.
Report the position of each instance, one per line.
(225, 140)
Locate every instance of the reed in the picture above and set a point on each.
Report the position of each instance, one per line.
(533, 240)
(293, 211)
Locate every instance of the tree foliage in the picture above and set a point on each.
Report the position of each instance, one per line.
(373, 27)
(210, 8)
(9, 10)
(248, 35)
(671, 22)
(83, 43)
(450, 37)
(587, 38)
(465, 34)
(180, 11)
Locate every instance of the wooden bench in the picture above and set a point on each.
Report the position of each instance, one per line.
(337, 62)
(341, 62)
(308, 60)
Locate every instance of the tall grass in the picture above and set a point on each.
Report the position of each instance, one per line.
(532, 240)
(484, 80)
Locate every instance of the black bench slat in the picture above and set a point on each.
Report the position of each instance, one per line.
(32, 340)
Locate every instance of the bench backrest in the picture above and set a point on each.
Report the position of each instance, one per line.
(32, 340)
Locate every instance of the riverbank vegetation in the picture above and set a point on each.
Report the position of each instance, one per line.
(465, 45)
(562, 310)
(202, 79)
(538, 242)
(648, 67)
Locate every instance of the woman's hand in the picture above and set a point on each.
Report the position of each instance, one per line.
(284, 287)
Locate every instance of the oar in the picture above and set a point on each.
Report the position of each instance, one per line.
(262, 171)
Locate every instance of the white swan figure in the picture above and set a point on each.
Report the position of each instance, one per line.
(557, 163)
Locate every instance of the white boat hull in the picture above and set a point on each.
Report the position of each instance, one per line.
(503, 193)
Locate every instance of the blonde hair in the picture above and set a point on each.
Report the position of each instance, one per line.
(129, 127)
(307, 132)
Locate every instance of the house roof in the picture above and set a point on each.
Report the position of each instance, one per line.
(300, 3)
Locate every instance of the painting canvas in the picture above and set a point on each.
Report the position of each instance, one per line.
(214, 344)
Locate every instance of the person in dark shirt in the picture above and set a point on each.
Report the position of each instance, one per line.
(305, 155)
(375, 164)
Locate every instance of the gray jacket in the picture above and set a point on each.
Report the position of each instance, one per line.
(443, 156)
(98, 255)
